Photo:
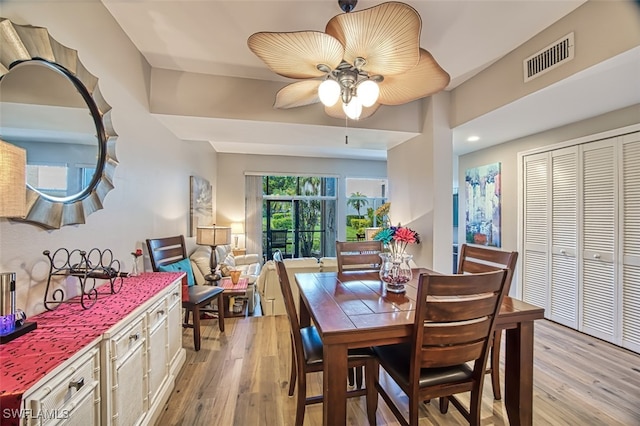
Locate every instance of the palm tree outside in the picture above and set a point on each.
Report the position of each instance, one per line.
(357, 200)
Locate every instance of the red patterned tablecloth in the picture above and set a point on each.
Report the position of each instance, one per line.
(65, 331)
(228, 285)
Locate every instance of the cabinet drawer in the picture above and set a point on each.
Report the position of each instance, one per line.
(128, 340)
(157, 314)
(54, 399)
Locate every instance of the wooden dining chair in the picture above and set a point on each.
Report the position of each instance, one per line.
(169, 251)
(306, 357)
(454, 322)
(354, 256)
(473, 260)
(358, 255)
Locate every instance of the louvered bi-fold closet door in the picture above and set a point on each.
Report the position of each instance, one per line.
(631, 242)
(599, 227)
(564, 237)
(535, 266)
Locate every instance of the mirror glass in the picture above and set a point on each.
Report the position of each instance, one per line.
(42, 111)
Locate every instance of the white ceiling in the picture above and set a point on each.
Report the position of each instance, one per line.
(464, 36)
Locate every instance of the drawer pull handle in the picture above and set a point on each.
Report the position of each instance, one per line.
(596, 256)
(176, 294)
(161, 312)
(563, 251)
(134, 336)
(77, 384)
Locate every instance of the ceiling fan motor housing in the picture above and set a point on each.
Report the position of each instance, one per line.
(347, 5)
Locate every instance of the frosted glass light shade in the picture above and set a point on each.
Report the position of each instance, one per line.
(329, 92)
(368, 92)
(353, 109)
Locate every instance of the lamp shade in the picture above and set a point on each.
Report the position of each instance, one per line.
(13, 189)
(213, 235)
(237, 228)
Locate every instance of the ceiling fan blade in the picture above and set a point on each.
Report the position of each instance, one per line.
(387, 36)
(297, 94)
(296, 54)
(425, 79)
(336, 111)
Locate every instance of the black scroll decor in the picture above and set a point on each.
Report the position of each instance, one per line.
(90, 268)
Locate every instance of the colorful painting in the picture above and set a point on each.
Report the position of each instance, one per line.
(201, 208)
(482, 186)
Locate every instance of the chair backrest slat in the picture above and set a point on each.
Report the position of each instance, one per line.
(163, 251)
(473, 260)
(358, 255)
(455, 317)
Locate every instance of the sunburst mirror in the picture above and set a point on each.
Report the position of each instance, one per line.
(51, 106)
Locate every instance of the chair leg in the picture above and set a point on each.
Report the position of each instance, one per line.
(301, 398)
(294, 369)
(220, 313)
(351, 376)
(186, 315)
(196, 327)
(371, 373)
(359, 377)
(444, 404)
(495, 364)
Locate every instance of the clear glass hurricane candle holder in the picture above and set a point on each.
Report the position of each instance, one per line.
(395, 271)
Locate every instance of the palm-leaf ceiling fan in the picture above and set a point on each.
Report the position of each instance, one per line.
(363, 60)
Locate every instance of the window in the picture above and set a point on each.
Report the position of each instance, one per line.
(364, 196)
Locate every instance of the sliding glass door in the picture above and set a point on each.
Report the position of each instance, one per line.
(299, 216)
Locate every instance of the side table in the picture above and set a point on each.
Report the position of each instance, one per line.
(239, 251)
(230, 292)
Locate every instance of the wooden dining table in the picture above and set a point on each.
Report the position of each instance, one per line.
(353, 310)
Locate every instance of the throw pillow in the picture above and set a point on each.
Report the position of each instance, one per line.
(230, 260)
(183, 265)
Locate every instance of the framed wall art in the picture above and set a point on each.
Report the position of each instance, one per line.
(482, 187)
(201, 206)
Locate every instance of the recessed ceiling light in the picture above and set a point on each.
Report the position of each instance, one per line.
(473, 138)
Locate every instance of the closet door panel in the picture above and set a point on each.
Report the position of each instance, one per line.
(564, 237)
(599, 226)
(630, 219)
(536, 224)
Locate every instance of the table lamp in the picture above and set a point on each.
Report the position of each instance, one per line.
(237, 229)
(213, 236)
(13, 203)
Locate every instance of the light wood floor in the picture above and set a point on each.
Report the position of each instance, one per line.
(240, 378)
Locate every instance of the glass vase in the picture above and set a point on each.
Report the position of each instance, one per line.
(135, 271)
(395, 271)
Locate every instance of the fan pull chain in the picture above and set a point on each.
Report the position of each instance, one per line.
(346, 129)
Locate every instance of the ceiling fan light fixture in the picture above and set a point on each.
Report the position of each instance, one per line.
(380, 44)
(368, 92)
(353, 109)
(329, 92)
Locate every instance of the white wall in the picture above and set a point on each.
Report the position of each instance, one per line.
(151, 195)
(420, 185)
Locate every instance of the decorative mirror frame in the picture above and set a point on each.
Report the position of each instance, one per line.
(23, 43)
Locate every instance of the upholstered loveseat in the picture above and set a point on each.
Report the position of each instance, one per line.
(268, 285)
(249, 266)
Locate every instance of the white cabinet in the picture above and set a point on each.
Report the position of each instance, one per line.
(70, 395)
(127, 378)
(142, 355)
(581, 237)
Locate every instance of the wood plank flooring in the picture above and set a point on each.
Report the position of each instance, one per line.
(240, 378)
